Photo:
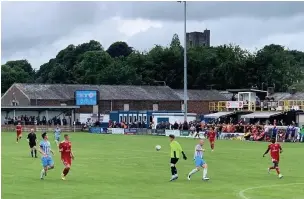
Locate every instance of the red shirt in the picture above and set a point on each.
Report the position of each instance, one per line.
(211, 135)
(18, 128)
(65, 149)
(275, 150)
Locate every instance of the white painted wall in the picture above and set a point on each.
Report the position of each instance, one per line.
(84, 116)
(245, 96)
(300, 120)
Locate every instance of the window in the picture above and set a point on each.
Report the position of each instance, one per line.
(126, 107)
(125, 119)
(130, 119)
(139, 119)
(145, 118)
(190, 43)
(14, 103)
(120, 118)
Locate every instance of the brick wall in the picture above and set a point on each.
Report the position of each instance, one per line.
(199, 107)
(146, 105)
(117, 105)
(22, 100)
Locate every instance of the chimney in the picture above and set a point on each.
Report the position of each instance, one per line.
(293, 90)
(270, 90)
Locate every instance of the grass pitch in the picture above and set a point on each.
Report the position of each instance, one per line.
(128, 167)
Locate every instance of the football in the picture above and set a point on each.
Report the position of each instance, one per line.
(157, 147)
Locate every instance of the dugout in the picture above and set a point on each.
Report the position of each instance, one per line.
(41, 111)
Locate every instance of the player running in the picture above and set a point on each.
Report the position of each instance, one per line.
(46, 151)
(199, 161)
(65, 148)
(211, 136)
(176, 150)
(19, 132)
(275, 150)
(32, 140)
(57, 135)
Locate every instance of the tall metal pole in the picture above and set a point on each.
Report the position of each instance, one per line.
(185, 61)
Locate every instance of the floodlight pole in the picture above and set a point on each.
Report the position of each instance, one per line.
(185, 61)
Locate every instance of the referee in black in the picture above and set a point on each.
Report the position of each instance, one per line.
(32, 140)
(176, 150)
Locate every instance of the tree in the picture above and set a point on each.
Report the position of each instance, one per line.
(223, 67)
(175, 42)
(24, 64)
(11, 75)
(119, 48)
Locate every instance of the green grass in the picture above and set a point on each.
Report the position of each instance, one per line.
(128, 167)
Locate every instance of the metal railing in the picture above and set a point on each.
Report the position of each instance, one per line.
(282, 105)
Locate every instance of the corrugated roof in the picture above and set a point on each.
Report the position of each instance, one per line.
(202, 95)
(107, 92)
(288, 96)
(226, 94)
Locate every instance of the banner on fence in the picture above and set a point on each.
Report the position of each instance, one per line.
(176, 133)
(130, 131)
(158, 132)
(232, 135)
(185, 133)
(98, 130)
(118, 131)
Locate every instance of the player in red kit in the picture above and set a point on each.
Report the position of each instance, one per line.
(211, 136)
(275, 150)
(65, 148)
(19, 131)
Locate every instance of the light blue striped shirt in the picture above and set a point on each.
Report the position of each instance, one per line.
(45, 147)
(198, 151)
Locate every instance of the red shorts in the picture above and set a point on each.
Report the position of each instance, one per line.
(19, 133)
(66, 161)
(211, 139)
(277, 160)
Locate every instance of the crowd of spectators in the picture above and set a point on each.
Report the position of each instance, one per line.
(138, 124)
(252, 132)
(35, 120)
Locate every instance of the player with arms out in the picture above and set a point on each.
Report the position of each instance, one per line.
(32, 140)
(65, 148)
(211, 136)
(46, 151)
(199, 161)
(57, 134)
(275, 150)
(19, 132)
(175, 152)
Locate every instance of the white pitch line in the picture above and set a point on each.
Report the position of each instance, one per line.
(241, 194)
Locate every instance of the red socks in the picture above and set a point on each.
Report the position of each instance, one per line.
(66, 171)
(278, 170)
(212, 146)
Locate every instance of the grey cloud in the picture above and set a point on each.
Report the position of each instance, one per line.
(198, 11)
(27, 24)
(36, 29)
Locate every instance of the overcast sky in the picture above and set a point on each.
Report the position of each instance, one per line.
(37, 31)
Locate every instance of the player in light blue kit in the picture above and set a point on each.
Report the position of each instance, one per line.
(57, 135)
(199, 161)
(46, 152)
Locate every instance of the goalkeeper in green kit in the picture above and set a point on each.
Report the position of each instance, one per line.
(176, 150)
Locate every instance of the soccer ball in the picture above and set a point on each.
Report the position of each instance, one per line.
(157, 147)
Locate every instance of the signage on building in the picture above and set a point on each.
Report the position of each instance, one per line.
(234, 104)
